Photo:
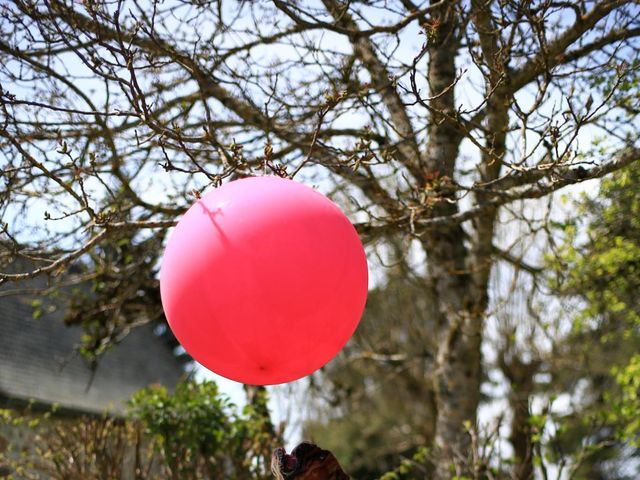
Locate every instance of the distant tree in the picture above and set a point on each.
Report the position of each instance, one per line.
(370, 407)
(428, 120)
(599, 264)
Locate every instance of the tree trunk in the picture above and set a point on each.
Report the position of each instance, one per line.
(460, 273)
(457, 375)
(520, 375)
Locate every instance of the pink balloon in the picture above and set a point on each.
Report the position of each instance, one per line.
(263, 280)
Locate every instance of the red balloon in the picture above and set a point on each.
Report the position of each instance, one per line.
(263, 280)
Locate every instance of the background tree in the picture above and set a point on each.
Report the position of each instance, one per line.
(598, 266)
(429, 120)
(371, 403)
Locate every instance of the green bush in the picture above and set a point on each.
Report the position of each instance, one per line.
(199, 432)
(194, 433)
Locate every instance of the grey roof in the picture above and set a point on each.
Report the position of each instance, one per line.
(38, 361)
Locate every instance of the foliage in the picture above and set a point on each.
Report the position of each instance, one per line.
(627, 407)
(599, 263)
(199, 431)
(604, 268)
(194, 433)
(409, 467)
(76, 448)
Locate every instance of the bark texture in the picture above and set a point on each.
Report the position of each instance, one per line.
(457, 376)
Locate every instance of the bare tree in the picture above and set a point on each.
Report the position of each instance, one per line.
(430, 118)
